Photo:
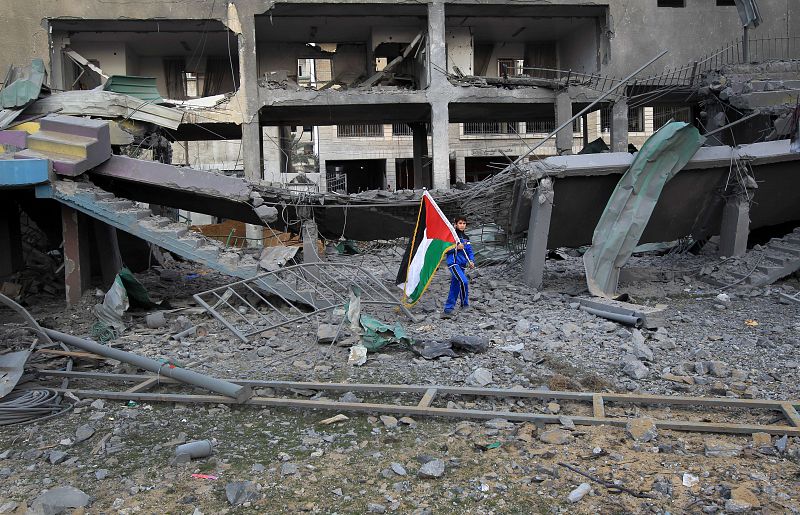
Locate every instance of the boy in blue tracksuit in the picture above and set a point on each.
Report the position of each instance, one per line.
(458, 259)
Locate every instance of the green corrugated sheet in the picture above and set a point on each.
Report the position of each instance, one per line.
(139, 87)
(632, 202)
(24, 85)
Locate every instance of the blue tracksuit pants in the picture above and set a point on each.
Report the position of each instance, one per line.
(459, 288)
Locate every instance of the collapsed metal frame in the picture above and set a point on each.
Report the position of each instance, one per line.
(321, 286)
(429, 393)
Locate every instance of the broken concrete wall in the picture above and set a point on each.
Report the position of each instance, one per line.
(460, 51)
(111, 56)
(579, 51)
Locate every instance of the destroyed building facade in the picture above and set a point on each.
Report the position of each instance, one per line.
(384, 95)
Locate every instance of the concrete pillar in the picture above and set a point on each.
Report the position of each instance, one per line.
(461, 168)
(248, 90)
(419, 134)
(77, 261)
(391, 173)
(310, 239)
(585, 127)
(619, 126)
(105, 237)
(538, 231)
(252, 141)
(438, 95)
(10, 238)
(285, 143)
(563, 113)
(57, 61)
(735, 227)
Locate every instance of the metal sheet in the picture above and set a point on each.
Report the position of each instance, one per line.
(143, 88)
(632, 203)
(107, 104)
(12, 365)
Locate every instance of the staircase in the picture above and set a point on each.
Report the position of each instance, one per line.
(764, 264)
(73, 144)
(125, 215)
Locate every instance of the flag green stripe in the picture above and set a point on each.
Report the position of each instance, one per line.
(433, 255)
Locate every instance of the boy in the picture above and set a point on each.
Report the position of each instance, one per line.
(459, 259)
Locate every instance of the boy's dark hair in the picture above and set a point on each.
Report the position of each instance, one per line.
(459, 218)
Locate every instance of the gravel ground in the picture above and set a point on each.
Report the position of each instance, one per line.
(743, 344)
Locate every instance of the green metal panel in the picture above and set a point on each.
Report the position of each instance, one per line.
(140, 87)
(24, 85)
(630, 206)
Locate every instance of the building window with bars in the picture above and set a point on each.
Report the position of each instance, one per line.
(635, 119)
(361, 130)
(663, 114)
(540, 126)
(404, 129)
(490, 128)
(510, 67)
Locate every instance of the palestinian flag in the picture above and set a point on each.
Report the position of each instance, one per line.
(433, 237)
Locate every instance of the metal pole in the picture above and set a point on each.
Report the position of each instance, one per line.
(589, 107)
(228, 389)
(745, 45)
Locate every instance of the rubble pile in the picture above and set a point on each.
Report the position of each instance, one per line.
(124, 456)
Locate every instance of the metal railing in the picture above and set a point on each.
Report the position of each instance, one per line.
(542, 125)
(250, 307)
(490, 128)
(362, 130)
(663, 114)
(759, 50)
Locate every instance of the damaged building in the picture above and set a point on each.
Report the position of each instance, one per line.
(226, 189)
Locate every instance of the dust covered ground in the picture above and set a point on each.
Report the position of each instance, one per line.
(282, 460)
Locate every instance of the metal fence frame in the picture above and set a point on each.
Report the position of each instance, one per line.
(321, 286)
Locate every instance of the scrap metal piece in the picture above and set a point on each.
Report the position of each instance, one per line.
(625, 312)
(228, 389)
(12, 365)
(245, 308)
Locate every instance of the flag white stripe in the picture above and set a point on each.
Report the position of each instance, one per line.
(417, 262)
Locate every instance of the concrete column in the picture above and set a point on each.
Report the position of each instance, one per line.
(10, 238)
(593, 125)
(248, 90)
(438, 95)
(461, 168)
(391, 173)
(77, 261)
(419, 136)
(563, 113)
(619, 126)
(105, 237)
(285, 142)
(252, 141)
(310, 238)
(538, 231)
(585, 127)
(648, 120)
(57, 61)
(735, 227)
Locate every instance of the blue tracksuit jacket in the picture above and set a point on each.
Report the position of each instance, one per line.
(457, 261)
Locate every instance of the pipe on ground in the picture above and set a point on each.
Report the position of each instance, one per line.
(228, 389)
(616, 317)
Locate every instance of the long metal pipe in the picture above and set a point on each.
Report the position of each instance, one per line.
(226, 388)
(586, 109)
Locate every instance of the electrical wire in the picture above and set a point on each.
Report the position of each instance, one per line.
(23, 406)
